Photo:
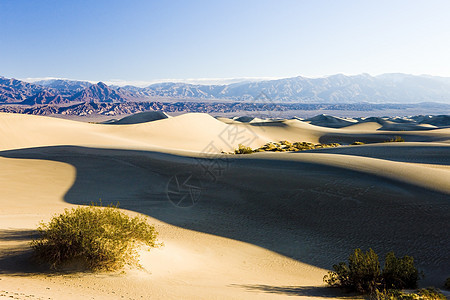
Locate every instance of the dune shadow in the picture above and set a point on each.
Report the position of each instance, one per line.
(17, 259)
(17, 235)
(379, 137)
(310, 291)
(438, 155)
(310, 212)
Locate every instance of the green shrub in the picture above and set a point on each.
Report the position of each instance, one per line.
(284, 146)
(400, 273)
(364, 270)
(396, 139)
(93, 237)
(392, 295)
(430, 293)
(363, 273)
(422, 294)
(340, 277)
(243, 150)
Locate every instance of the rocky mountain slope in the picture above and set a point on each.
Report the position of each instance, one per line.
(387, 88)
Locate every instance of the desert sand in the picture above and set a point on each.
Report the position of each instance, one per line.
(258, 226)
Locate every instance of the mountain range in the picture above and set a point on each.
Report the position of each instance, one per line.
(386, 88)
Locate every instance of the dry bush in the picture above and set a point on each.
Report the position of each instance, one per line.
(363, 273)
(93, 237)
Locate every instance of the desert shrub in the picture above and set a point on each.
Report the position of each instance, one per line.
(243, 150)
(364, 270)
(422, 294)
(357, 143)
(362, 273)
(340, 277)
(391, 295)
(303, 145)
(430, 293)
(284, 146)
(447, 283)
(93, 237)
(286, 143)
(400, 273)
(396, 139)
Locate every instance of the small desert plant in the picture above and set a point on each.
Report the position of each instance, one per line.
(363, 273)
(284, 146)
(430, 293)
(93, 237)
(422, 294)
(391, 295)
(357, 143)
(400, 273)
(243, 150)
(364, 270)
(396, 139)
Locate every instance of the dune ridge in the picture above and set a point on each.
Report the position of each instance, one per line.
(262, 226)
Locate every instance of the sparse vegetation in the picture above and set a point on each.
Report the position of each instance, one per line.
(283, 146)
(422, 294)
(94, 238)
(396, 139)
(400, 273)
(243, 150)
(363, 273)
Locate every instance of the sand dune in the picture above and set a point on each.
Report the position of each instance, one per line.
(260, 226)
(143, 117)
(330, 121)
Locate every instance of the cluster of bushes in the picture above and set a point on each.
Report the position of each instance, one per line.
(94, 238)
(364, 274)
(421, 294)
(283, 146)
(396, 139)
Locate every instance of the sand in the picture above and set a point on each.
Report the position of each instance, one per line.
(260, 226)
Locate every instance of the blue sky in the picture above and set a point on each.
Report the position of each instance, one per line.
(149, 40)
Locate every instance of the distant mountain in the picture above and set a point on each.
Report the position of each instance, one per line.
(99, 92)
(335, 89)
(64, 87)
(45, 97)
(388, 88)
(122, 108)
(14, 91)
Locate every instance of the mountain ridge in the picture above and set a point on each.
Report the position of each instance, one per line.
(338, 88)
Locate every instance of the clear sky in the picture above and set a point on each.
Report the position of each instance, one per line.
(148, 40)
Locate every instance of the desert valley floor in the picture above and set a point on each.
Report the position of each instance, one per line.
(258, 226)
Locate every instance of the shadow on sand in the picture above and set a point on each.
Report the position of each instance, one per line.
(311, 212)
(16, 260)
(311, 291)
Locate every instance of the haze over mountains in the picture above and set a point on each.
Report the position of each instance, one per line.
(386, 88)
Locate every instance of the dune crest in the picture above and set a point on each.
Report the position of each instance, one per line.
(258, 226)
